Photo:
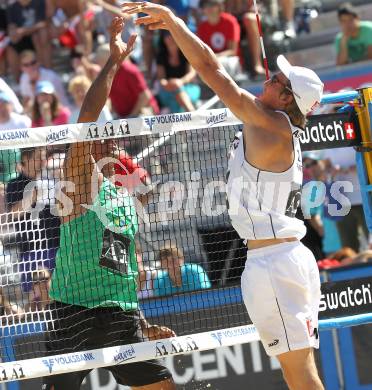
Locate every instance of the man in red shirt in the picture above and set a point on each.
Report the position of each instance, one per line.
(221, 30)
(130, 95)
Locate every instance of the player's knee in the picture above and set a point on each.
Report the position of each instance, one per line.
(47, 387)
(311, 383)
(308, 380)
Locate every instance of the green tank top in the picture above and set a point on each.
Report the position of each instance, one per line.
(96, 263)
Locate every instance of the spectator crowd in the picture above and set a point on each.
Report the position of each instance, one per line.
(156, 79)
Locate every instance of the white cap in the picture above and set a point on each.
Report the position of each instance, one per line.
(306, 85)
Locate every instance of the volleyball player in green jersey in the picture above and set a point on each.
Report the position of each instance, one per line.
(94, 284)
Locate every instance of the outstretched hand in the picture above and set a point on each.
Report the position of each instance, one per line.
(157, 15)
(157, 332)
(120, 50)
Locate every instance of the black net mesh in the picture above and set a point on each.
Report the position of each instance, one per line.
(155, 232)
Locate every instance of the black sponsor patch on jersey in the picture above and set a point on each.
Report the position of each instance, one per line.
(115, 252)
(294, 200)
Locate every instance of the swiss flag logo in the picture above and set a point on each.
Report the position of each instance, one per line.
(349, 130)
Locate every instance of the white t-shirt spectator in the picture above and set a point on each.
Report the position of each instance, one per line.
(26, 89)
(104, 116)
(10, 157)
(4, 87)
(344, 158)
(16, 121)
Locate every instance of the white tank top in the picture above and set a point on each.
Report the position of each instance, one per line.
(263, 204)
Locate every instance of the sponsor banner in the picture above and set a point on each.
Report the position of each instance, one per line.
(67, 360)
(80, 132)
(14, 135)
(330, 131)
(124, 354)
(245, 331)
(11, 372)
(111, 129)
(341, 299)
(59, 364)
(57, 136)
(175, 346)
(322, 131)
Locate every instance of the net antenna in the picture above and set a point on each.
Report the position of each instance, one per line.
(260, 32)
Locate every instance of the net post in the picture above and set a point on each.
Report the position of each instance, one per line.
(364, 159)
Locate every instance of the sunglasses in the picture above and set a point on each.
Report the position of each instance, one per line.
(28, 64)
(275, 79)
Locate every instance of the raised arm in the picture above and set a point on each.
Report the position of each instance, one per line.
(79, 162)
(243, 104)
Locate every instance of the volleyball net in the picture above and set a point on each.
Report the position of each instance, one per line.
(154, 234)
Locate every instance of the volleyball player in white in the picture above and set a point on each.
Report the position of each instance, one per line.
(280, 283)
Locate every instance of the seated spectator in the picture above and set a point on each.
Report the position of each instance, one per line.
(78, 87)
(175, 275)
(130, 95)
(347, 256)
(178, 92)
(27, 28)
(103, 20)
(245, 13)
(17, 106)
(313, 171)
(4, 38)
(12, 302)
(32, 73)
(82, 66)
(37, 231)
(38, 295)
(9, 307)
(72, 23)
(47, 109)
(341, 167)
(288, 16)
(254, 47)
(221, 32)
(354, 42)
(10, 120)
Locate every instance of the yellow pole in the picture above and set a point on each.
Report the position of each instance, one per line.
(365, 127)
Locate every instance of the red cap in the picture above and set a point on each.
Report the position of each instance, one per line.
(138, 175)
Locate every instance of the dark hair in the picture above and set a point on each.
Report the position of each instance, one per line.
(295, 115)
(162, 47)
(55, 106)
(170, 251)
(347, 9)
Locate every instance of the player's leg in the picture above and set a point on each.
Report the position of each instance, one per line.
(146, 375)
(70, 381)
(299, 370)
(66, 334)
(168, 384)
(281, 290)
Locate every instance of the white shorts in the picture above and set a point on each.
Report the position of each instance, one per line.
(281, 291)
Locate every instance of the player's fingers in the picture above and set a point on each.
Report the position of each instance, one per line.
(131, 41)
(146, 20)
(133, 8)
(157, 26)
(133, 4)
